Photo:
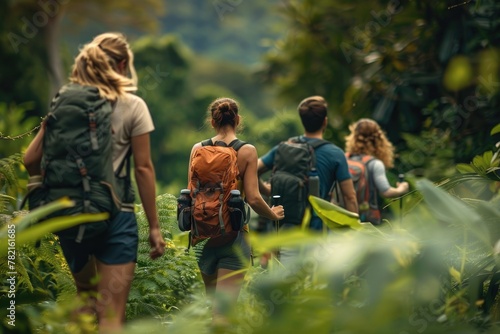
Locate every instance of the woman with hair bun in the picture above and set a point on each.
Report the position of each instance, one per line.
(219, 264)
(367, 138)
(106, 63)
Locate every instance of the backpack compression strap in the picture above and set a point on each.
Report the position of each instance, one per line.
(372, 194)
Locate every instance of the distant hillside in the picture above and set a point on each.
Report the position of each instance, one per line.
(236, 30)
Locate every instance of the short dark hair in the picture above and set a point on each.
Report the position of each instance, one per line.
(312, 111)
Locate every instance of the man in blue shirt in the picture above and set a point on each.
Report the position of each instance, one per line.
(331, 163)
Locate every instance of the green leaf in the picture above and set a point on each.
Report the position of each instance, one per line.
(456, 275)
(495, 130)
(35, 232)
(451, 210)
(39, 213)
(333, 215)
(465, 168)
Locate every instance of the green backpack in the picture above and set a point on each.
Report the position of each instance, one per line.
(77, 160)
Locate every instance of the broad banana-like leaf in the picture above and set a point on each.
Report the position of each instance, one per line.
(451, 210)
(282, 238)
(333, 215)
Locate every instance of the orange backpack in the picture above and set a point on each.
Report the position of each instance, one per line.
(214, 173)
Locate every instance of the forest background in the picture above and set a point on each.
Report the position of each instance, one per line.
(427, 71)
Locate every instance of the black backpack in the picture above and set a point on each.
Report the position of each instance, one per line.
(77, 160)
(293, 162)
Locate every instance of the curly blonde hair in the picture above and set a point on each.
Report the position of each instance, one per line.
(106, 63)
(367, 137)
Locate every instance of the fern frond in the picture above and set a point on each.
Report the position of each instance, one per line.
(5, 200)
(8, 176)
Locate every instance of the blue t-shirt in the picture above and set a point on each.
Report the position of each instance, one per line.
(331, 165)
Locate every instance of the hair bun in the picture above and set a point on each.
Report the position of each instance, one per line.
(224, 107)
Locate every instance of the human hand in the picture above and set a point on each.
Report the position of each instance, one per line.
(279, 212)
(403, 187)
(157, 243)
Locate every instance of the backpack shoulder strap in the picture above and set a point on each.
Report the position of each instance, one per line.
(207, 142)
(365, 158)
(237, 144)
(314, 144)
(320, 142)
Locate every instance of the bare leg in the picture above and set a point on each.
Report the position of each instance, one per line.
(210, 284)
(86, 287)
(227, 290)
(113, 288)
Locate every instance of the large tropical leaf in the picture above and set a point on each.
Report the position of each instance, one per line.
(453, 211)
(333, 215)
(20, 231)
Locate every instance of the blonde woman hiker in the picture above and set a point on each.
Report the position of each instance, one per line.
(105, 66)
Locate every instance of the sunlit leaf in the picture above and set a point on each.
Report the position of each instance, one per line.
(35, 232)
(456, 275)
(333, 215)
(495, 130)
(35, 215)
(465, 168)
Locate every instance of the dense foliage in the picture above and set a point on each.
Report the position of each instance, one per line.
(420, 68)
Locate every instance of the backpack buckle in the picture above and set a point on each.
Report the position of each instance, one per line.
(81, 166)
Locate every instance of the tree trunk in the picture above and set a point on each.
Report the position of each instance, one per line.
(54, 63)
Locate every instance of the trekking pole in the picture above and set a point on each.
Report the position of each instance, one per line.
(275, 202)
(401, 178)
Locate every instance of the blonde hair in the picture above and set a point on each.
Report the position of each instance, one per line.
(98, 64)
(367, 137)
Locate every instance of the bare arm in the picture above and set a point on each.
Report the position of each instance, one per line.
(349, 193)
(33, 154)
(195, 147)
(247, 163)
(401, 189)
(264, 187)
(145, 178)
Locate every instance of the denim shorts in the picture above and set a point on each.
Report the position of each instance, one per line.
(234, 256)
(118, 245)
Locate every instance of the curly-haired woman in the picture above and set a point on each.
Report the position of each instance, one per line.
(367, 138)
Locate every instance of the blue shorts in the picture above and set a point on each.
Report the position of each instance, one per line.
(234, 256)
(117, 246)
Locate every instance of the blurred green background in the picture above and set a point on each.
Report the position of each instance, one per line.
(427, 71)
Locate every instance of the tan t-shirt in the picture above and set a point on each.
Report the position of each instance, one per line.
(130, 118)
